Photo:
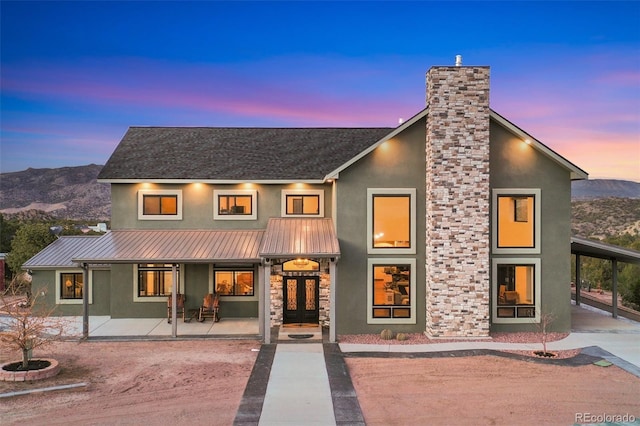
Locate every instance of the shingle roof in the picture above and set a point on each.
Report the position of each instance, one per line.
(59, 253)
(235, 154)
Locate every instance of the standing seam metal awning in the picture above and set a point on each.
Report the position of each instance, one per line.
(598, 249)
(174, 246)
(300, 237)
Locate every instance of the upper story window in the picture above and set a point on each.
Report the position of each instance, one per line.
(303, 203)
(516, 221)
(159, 204)
(391, 220)
(235, 204)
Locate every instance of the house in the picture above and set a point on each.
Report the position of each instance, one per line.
(456, 223)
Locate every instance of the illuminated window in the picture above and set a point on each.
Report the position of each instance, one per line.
(159, 204)
(391, 220)
(234, 283)
(71, 285)
(516, 290)
(234, 204)
(516, 218)
(303, 203)
(392, 291)
(155, 280)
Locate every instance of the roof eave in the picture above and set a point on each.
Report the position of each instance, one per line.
(576, 172)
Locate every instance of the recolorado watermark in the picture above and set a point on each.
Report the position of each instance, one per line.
(604, 418)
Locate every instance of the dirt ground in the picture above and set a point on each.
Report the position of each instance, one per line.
(489, 390)
(202, 381)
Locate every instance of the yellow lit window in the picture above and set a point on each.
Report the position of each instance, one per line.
(391, 221)
(516, 221)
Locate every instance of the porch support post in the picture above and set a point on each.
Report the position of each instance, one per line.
(266, 286)
(614, 291)
(332, 300)
(174, 301)
(85, 301)
(260, 304)
(578, 280)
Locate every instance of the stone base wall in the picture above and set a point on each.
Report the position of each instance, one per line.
(457, 202)
(277, 293)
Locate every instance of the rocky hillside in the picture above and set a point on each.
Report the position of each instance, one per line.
(604, 188)
(602, 217)
(65, 193)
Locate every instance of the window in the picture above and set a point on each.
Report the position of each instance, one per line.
(234, 283)
(303, 203)
(159, 204)
(516, 290)
(516, 218)
(234, 204)
(391, 220)
(70, 287)
(391, 294)
(155, 281)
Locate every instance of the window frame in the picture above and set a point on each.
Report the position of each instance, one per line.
(411, 192)
(290, 192)
(159, 192)
(59, 299)
(537, 278)
(234, 272)
(138, 298)
(517, 193)
(213, 268)
(235, 192)
(387, 261)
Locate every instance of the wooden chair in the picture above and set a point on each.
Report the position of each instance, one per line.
(210, 307)
(180, 298)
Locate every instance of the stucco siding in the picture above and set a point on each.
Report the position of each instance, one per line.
(514, 164)
(399, 163)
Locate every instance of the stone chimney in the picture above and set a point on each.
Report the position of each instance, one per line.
(457, 198)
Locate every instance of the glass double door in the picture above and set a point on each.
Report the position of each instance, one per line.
(301, 296)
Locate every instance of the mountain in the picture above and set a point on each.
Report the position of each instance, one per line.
(66, 193)
(603, 188)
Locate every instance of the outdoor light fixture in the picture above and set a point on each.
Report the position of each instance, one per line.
(301, 262)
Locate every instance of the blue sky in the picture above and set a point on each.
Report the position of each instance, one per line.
(75, 75)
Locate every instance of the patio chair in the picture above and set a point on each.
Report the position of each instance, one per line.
(180, 298)
(210, 307)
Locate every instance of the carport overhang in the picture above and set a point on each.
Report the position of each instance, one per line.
(590, 248)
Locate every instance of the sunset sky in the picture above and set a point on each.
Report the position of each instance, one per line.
(75, 75)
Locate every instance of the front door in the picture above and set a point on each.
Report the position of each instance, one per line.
(301, 300)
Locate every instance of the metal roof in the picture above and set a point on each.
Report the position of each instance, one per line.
(59, 253)
(591, 248)
(300, 237)
(174, 246)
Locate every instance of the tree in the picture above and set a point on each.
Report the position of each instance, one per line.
(8, 229)
(28, 241)
(26, 322)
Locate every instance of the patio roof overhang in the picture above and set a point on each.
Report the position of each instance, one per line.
(283, 238)
(300, 237)
(600, 250)
(173, 246)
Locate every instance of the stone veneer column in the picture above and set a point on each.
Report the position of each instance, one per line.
(457, 198)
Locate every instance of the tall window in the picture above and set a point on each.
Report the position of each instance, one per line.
(159, 204)
(155, 280)
(303, 203)
(516, 218)
(391, 220)
(234, 283)
(71, 285)
(517, 290)
(234, 204)
(392, 291)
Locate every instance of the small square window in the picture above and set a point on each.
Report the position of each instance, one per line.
(303, 203)
(156, 204)
(235, 204)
